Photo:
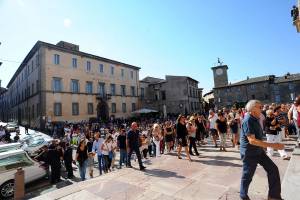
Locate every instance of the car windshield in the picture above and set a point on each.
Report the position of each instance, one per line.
(35, 141)
(14, 161)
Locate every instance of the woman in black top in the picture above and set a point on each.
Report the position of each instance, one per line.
(82, 158)
(181, 136)
(221, 126)
(169, 135)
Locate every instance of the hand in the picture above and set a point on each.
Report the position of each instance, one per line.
(278, 146)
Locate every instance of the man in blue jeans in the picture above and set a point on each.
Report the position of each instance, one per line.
(252, 153)
(122, 146)
(97, 149)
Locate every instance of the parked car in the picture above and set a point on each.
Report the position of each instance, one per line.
(12, 126)
(32, 144)
(9, 147)
(10, 161)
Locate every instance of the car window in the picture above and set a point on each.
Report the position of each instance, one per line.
(35, 142)
(14, 161)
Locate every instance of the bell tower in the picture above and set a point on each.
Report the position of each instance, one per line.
(220, 74)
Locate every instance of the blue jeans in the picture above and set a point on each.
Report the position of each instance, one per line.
(101, 164)
(123, 157)
(82, 169)
(249, 167)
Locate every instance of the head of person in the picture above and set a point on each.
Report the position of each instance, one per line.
(211, 112)
(254, 108)
(82, 143)
(192, 120)
(270, 113)
(221, 115)
(97, 135)
(297, 101)
(181, 119)
(109, 138)
(156, 127)
(123, 131)
(134, 126)
(277, 110)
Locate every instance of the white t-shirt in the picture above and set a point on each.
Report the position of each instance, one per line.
(107, 147)
(212, 121)
(293, 109)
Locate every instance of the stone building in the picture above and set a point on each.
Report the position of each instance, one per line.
(173, 95)
(268, 89)
(60, 83)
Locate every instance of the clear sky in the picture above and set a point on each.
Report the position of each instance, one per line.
(163, 37)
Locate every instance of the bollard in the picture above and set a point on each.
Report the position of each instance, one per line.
(19, 187)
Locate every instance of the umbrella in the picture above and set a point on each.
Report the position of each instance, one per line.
(144, 110)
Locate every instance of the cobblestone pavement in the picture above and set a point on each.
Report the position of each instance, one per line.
(212, 175)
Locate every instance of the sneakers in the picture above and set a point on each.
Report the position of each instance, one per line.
(142, 168)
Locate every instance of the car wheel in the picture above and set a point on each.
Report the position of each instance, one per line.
(7, 189)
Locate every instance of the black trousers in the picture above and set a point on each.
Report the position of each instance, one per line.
(69, 169)
(193, 145)
(138, 154)
(55, 173)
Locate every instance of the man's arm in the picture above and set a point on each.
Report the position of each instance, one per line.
(256, 142)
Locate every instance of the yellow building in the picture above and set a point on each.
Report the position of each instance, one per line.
(60, 83)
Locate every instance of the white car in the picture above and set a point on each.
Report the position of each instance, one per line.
(9, 147)
(32, 144)
(10, 161)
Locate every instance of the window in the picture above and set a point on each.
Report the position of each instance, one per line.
(291, 86)
(252, 87)
(131, 74)
(75, 109)
(88, 66)
(74, 86)
(122, 73)
(132, 91)
(253, 96)
(142, 93)
(133, 107)
(32, 111)
(124, 107)
(113, 89)
(56, 59)
(37, 109)
(56, 84)
(277, 98)
(112, 70)
(101, 70)
(113, 107)
(123, 90)
(90, 109)
(57, 109)
(37, 85)
(89, 87)
(163, 95)
(14, 162)
(101, 89)
(32, 88)
(74, 63)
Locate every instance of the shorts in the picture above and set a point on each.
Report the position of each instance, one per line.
(213, 132)
(169, 138)
(182, 142)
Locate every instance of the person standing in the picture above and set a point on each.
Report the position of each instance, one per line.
(107, 150)
(156, 133)
(53, 158)
(221, 126)
(212, 118)
(252, 153)
(182, 134)
(169, 135)
(121, 142)
(97, 149)
(91, 155)
(294, 116)
(192, 128)
(132, 144)
(68, 159)
(82, 158)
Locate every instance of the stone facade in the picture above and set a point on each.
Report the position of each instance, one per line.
(60, 83)
(174, 95)
(267, 89)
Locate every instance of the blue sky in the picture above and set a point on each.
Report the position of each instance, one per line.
(166, 37)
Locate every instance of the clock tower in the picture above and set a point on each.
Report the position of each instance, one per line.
(220, 75)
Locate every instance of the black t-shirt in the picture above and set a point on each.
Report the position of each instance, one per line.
(82, 155)
(222, 125)
(89, 146)
(271, 129)
(133, 139)
(122, 141)
(181, 130)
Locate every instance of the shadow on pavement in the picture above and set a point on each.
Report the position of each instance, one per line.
(162, 173)
(218, 163)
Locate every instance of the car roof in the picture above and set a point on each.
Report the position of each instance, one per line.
(11, 153)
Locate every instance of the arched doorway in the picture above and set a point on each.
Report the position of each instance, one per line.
(102, 110)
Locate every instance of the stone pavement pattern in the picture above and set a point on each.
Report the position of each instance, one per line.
(211, 176)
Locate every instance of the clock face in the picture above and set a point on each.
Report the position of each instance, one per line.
(219, 71)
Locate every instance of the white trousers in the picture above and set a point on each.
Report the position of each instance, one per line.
(275, 139)
(157, 147)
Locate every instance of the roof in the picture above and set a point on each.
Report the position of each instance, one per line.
(40, 44)
(150, 79)
(182, 77)
(281, 79)
(211, 92)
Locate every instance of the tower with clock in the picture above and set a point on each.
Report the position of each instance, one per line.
(220, 74)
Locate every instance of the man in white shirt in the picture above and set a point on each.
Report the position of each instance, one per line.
(97, 149)
(212, 118)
